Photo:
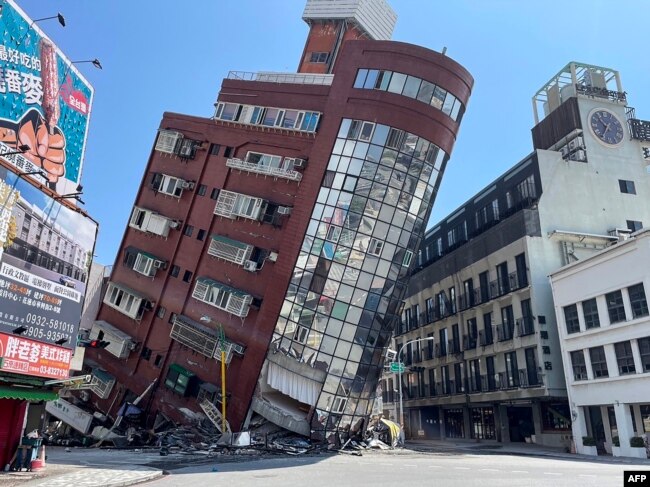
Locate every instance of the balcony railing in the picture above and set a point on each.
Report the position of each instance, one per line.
(453, 346)
(485, 338)
(276, 172)
(271, 77)
(505, 331)
(525, 326)
(469, 342)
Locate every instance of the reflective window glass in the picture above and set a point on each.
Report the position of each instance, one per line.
(396, 84)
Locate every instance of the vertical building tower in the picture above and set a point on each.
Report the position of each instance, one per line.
(284, 224)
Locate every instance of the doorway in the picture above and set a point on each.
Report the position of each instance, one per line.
(520, 422)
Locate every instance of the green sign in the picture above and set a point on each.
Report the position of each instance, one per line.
(397, 367)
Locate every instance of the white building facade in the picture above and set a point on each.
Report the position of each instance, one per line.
(494, 369)
(604, 325)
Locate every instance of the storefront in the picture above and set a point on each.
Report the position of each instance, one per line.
(14, 403)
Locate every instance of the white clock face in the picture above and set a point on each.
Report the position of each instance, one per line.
(606, 126)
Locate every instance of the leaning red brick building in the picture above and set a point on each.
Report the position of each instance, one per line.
(282, 230)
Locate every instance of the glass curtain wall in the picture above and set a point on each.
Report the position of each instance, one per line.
(349, 280)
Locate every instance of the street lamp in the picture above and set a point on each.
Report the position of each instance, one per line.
(399, 354)
(224, 427)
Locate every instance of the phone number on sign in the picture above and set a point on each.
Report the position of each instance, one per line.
(51, 323)
(49, 335)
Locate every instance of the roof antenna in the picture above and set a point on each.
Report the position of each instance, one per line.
(444, 50)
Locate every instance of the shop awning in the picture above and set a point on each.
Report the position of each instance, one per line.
(181, 370)
(27, 394)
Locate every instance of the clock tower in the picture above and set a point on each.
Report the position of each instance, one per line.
(582, 112)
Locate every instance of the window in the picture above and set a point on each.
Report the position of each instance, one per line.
(221, 296)
(571, 319)
(201, 234)
(228, 152)
(408, 257)
(338, 406)
(634, 225)
(178, 379)
(174, 271)
(452, 299)
(124, 300)
(578, 365)
(487, 329)
(301, 334)
(160, 312)
(624, 358)
(319, 57)
(556, 416)
(188, 230)
(626, 187)
(202, 189)
(187, 276)
(214, 194)
(233, 205)
(598, 362)
(638, 301)
(512, 372)
(644, 351)
(146, 353)
(375, 246)
(615, 306)
(590, 312)
(158, 361)
(361, 78)
(333, 233)
(522, 274)
(428, 305)
(214, 149)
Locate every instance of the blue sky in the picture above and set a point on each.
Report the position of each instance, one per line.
(163, 55)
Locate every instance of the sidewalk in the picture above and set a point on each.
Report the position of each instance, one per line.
(524, 449)
(88, 468)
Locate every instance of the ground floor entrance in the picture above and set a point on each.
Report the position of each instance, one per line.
(520, 423)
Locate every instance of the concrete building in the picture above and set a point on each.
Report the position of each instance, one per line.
(494, 369)
(286, 223)
(604, 326)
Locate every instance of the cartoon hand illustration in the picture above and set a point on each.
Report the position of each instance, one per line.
(47, 144)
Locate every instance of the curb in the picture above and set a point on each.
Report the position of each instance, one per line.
(152, 476)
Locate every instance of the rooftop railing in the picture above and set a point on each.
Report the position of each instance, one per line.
(271, 77)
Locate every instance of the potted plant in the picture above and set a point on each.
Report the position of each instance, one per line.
(589, 446)
(637, 447)
(616, 446)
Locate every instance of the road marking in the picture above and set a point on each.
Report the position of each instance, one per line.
(489, 470)
(552, 473)
(521, 471)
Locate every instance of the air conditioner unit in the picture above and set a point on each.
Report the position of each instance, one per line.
(85, 396)
(174, 224)
(284, 210)
(580, 155)
(273, 256)
(576, 144)
(564, 150)
(159, 264)
(391, 355)
(187, 185)
(250, 266)
(238, 348)
(299, 163)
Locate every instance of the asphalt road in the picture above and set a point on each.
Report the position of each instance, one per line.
(381, 469)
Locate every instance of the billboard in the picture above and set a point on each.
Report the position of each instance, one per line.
(28, 357)
(44, 102)
(46, 251)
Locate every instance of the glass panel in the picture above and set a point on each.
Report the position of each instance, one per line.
(397, 83)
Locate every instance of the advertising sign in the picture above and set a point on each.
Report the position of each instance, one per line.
(44, 101)
(45, 255)
(70, 414)
(23, 356)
